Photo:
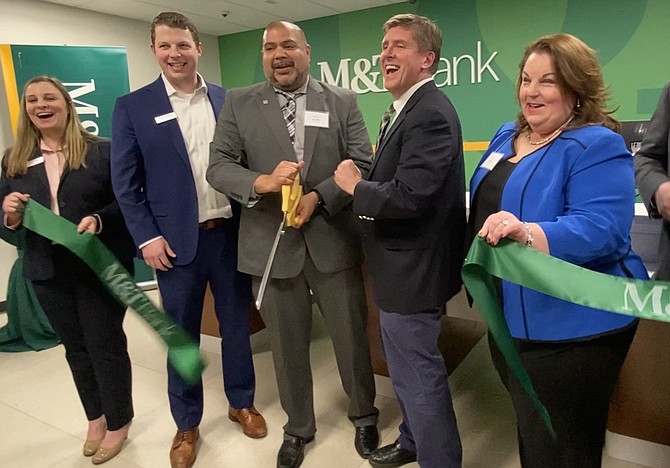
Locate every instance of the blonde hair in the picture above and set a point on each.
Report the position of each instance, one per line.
(75, 139)
(578, 75)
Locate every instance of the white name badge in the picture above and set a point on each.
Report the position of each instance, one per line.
(316, 119)
(165, 117)
(493, 159)
(36, 161)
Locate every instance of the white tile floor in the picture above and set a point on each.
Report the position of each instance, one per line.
(42, 423)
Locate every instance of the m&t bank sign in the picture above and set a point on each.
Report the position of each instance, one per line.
(363, 75)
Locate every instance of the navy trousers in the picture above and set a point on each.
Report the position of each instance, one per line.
(419, 379)
(183, 292)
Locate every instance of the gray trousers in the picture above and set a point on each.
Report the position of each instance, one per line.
(287, 313)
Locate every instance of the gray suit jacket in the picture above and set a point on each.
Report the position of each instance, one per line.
(251, 139)
(651, 170)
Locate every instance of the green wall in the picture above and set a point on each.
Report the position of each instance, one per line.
(483, 41)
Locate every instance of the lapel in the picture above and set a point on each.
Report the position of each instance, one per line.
(161, 106)
(268, 104)
(216, 97)
(504, 147)
(413, 100)
(39, 172)
(316, 101)
(378, 151)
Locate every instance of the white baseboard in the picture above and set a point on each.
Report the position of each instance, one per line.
(637, 451)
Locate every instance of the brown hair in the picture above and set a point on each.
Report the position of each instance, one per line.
(75, 138)
(579, 76)
(176, 20)
(426, 34)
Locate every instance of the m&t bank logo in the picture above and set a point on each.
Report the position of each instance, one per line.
(85, 111)
(363, 75)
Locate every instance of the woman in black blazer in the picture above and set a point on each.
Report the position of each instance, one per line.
(60, 165)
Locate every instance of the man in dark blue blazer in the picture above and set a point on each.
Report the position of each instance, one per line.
(412, 209)
(184, 229)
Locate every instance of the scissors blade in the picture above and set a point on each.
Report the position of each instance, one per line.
(268, 265)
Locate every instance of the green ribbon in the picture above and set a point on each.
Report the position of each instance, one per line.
(533, 269)
(183, 352)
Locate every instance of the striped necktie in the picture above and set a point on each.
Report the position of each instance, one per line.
(289, 110)
(383, 126)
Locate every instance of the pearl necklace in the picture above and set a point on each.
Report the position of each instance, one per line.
(550, 137)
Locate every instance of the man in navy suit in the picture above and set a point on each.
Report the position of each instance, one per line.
(412, 208)
(185, 230)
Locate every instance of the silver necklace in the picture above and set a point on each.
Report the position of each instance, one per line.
(550, 137)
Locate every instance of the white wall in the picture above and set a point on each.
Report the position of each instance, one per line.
(35, 22)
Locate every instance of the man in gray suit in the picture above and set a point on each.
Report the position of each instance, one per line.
(267, 134)
(653, 179)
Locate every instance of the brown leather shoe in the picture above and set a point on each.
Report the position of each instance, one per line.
(253, 423)
(183, 450)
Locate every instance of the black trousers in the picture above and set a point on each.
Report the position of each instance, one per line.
(89, 322)
(574, 381)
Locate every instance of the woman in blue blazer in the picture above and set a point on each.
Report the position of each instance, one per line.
(58, 164)
(560, 180)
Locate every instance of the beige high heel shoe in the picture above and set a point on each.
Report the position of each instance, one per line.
(91, 446)
(103, 454)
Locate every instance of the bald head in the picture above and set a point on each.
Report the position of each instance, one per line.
(299, 33)
(286, 55)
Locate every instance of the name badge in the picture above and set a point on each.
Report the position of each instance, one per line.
(316, 119)
(165, 117)
(493, 159)
(36, 161)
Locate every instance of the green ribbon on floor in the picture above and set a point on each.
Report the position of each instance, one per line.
(533, 269)
(183, 352)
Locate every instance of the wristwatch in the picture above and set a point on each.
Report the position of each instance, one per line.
(319, 204)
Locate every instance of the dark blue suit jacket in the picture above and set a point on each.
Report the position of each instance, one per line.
(151, 171)
(82, 192)
(416, 195)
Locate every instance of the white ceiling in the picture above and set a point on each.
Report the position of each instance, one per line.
(219, 17)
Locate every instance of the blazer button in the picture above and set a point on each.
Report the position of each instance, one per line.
(366, 218)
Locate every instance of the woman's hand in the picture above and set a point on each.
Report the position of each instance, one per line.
(12, 206)
(503, 224)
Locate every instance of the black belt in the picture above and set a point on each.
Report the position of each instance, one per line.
(211, 223)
